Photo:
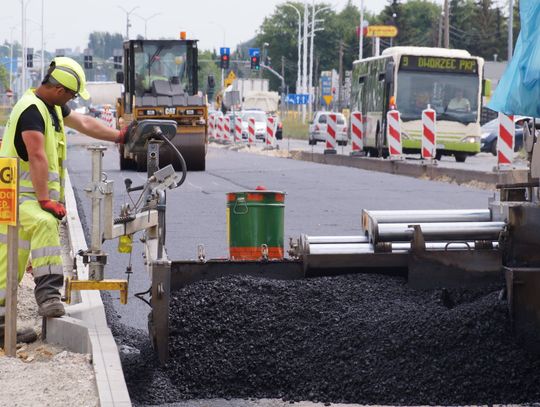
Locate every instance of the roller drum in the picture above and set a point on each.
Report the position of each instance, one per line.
(425, 216)
(335, 239)
(462, 231)
(340, 248)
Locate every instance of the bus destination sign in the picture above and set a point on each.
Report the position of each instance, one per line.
(438, 64)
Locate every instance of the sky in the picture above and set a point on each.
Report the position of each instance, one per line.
(67, 23)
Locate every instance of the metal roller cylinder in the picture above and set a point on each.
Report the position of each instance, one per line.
(462, 231)
(339, 248)
(425, 216)
(335, 239)
(397, 247)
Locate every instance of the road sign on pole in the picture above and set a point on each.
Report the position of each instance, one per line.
(253, 52)
(9, 182)
(386, 31)
(224, 51)
(297, 99)
(326, 89)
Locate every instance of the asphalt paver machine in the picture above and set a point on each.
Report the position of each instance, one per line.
(431, 248)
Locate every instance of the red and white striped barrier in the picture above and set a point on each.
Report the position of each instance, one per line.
(219, 128)
(506, 139)
(251, 130)
(270, 132)
(107, 117)
(238, 129)
(211, 127)
(357, 133)
(429, 134)
(227, 129)
(393, 134)
(331, 134)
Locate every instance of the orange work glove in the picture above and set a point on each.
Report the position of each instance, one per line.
(125, 133)
(53, 207)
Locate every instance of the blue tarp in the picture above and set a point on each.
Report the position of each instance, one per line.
(518, 91)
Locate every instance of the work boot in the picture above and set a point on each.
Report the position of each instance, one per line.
(24, 335)
(52, 308)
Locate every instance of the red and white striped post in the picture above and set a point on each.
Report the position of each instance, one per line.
(238, 129)
(357, 133)
(251, 131)
(107, 116)
(331, 134)
(227, 130)
(270, 132)
(505, 141)
(393, 134)
(211, 127)
(219, 128)
(429, 134)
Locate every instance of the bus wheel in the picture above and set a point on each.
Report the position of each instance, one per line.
(460, 157)
(438, 156)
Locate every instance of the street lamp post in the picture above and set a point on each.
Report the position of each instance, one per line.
(224, 42)
(361, 32)
(128, 13)
(42, 41)
(146, 19)
(313, 30)
(263, 56)
(304, 59)
(298, 71)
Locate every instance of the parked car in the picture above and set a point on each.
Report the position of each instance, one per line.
(260, 123)
(318, 127)
(490, 131)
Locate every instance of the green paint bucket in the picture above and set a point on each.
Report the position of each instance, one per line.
(255, 224)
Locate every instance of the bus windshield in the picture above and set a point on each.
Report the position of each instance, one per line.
(163, 62)
(453, 96)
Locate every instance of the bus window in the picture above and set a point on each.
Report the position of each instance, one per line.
(417, 90)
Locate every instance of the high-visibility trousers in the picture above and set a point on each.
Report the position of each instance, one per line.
(38, 236)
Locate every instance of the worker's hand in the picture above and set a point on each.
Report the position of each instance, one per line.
(125, 133)
(53, 207)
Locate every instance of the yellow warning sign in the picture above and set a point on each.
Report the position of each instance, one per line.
(230, 79)
(8, 191)
(328, 99)
(382, 31)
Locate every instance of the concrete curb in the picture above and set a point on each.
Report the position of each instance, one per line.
(402, 167)
(85, 328)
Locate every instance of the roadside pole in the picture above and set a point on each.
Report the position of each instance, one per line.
(9, 205)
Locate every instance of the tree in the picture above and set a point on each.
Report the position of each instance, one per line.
(208, 65)
(479, 27)
(4, 78)
(103, 44)
(280, 30)
(416, 21)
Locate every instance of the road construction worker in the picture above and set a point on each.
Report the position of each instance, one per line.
(35, 134)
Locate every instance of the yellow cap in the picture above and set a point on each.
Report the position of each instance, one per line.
(70, 74)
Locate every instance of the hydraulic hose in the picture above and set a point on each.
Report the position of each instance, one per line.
(159, 134)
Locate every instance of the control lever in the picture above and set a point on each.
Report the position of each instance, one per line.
(128, 182)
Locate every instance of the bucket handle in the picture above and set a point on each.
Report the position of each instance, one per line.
(241, 205)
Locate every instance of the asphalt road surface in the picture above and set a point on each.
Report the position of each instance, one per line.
(321, 200)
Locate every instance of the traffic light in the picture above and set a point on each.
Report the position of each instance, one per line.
(255, 62)
(30, 57)
(88, 64)
(224, 61)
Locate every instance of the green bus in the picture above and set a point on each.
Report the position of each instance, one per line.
(410, 79)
